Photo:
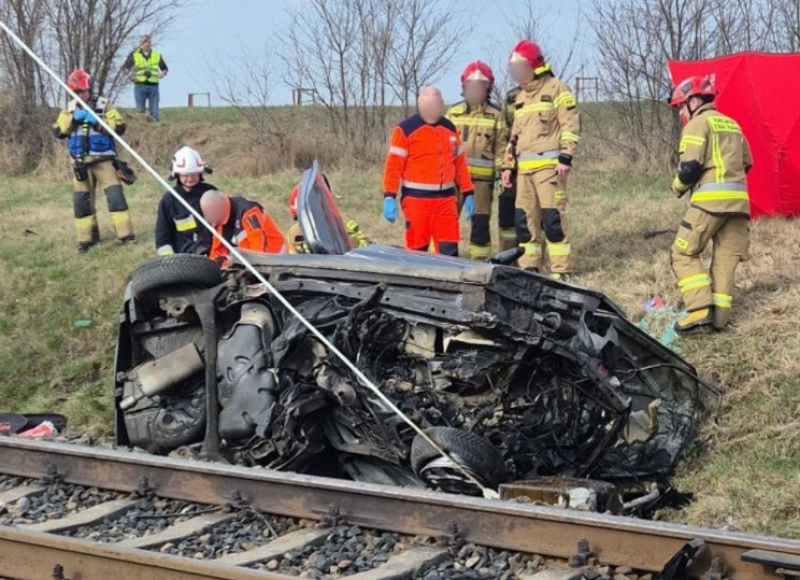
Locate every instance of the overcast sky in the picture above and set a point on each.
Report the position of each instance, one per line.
(213, 30)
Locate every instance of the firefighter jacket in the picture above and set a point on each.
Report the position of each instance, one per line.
(426, 160)
(248, 227)
(177, 231)
(484, 137)
(714, 158)
(546, 126)
(85, 141)
(508, 109)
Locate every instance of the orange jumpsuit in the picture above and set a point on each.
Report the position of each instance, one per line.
(249, 227)
(427, 165)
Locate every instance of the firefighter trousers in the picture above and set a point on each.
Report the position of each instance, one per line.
(101, 176)
(731, 242)
(541, 206)
(480, 240)
(431, 219)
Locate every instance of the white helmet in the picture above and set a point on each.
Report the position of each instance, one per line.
(186, 160)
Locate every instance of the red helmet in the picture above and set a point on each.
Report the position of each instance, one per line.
(478, 71)
(704, 86)
(293, 200)
(529, 52)
(79, 80)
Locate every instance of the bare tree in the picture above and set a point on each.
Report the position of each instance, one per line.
(22, 76)
(94, 34)
(427, 37)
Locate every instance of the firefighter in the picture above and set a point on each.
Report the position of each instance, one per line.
(176, 229)
(94, 154)
(542, 145)
(243, 223)
(425, 164)
(714, 159)
(512, 231)
(481, 124)
(296, 243)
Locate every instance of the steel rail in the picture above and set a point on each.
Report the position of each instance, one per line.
(642, 545)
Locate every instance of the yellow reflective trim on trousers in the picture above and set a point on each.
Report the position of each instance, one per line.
(537, 163)
(118, 217)
(559, 249)
(720, 196)
(477, 251)
(532, 249)
(723, 300)
(482, 171)
(85, 222)
(508, 234)
(694, 282)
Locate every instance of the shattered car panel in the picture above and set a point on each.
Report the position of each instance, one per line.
(517, 375)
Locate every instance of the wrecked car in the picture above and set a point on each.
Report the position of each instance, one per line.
(515, 375)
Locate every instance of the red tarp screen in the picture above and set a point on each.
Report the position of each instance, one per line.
(762, 93)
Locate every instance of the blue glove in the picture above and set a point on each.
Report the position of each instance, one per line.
(469, 205)
(390, 209)
(84, 116)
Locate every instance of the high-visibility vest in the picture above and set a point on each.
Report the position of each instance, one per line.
(144, 65)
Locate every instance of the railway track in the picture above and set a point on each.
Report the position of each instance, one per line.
(85, 513)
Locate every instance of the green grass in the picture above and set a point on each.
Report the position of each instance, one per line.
(745, 466)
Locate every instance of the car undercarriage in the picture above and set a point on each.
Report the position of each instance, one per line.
(514, 375)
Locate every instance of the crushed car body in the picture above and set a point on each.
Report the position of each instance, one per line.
(515, 375)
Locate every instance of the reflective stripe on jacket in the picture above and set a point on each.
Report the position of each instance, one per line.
(146, 69)
(248, 227)
(546, 119)
(484, 136)
(715, 146)
(426, 160)
(85, 141)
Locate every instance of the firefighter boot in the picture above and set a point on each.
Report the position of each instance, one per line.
(695, 320)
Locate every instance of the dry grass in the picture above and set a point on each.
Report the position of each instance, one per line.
(744, 469)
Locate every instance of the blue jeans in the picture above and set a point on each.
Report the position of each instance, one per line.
(149, 94)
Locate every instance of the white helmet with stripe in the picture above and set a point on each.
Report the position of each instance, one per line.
(186, 161)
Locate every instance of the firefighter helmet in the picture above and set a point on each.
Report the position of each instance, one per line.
(530, 52)
(79, 80)
(697, 86)
(478, 71)
(186, 161)
(293, 200)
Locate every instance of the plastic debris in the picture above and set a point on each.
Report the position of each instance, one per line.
(83, 323)
(659, 321)
(44, 429)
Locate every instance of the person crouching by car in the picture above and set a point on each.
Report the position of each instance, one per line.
(296, 243)
(177, 232)
(243, 223)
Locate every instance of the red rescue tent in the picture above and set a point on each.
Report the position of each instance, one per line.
(762, 93)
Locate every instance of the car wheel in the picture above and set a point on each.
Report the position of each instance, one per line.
(180, 269)
(473, 453)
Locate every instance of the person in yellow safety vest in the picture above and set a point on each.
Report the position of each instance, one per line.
(481, 124)
(146, 67)
(94, 158)
(714, 159)
(541, 148)
(295, 241)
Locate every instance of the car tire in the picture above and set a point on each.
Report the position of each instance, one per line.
(471, 451)
(181, 269)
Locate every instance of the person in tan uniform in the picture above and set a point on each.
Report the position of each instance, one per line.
(542, 145)
(94, 162)
(714, 159)
(481, 124)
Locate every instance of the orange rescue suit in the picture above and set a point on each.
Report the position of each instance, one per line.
(248, 227)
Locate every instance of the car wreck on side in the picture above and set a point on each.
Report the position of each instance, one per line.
(515, 375)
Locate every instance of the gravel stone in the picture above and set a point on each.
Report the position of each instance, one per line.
(149, 516)
(58, 501)
(247, 531)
